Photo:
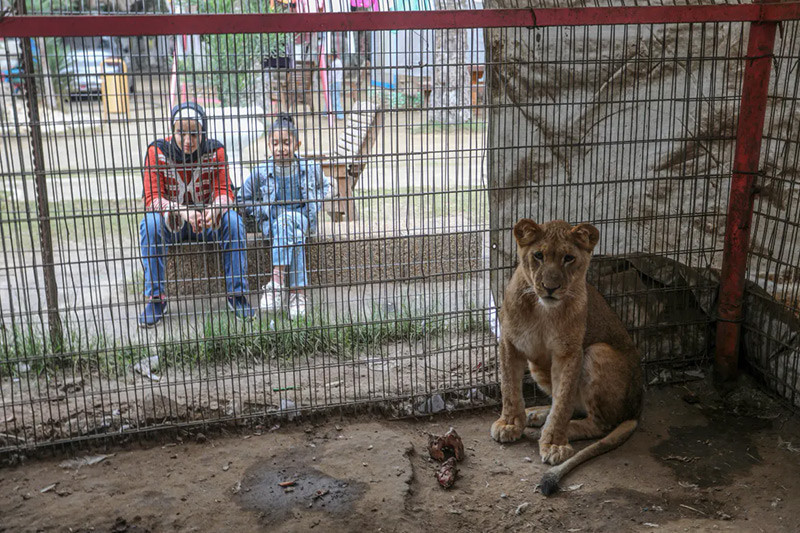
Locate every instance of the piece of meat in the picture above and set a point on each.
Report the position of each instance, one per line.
(446, 446)
(447, 473)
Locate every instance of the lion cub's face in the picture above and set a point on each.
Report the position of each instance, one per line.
(554, 257)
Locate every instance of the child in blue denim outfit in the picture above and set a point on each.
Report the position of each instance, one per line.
(285, 196)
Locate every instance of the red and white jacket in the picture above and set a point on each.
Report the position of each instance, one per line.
(169, 185)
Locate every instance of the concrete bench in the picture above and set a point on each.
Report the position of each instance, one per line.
(340, 254)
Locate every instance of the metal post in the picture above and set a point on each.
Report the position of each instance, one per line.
(740, 204)
(42, 204)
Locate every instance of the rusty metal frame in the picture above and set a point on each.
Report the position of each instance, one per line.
(126, 25)
(752, 111)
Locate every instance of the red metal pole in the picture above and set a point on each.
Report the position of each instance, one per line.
(740, 204)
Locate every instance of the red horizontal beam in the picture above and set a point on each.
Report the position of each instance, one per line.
(666, 14)
(84, 25)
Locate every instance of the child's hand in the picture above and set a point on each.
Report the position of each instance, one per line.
(194, 218)
(211, 217)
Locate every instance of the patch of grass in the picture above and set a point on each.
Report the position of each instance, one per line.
(392, 99)
(471, 203)
(224, 339)
(28, 350)
(19, 348)
(110, 360)
(224, 336)
(278, 337)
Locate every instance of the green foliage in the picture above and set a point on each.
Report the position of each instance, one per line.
(56, 52)
(235, 60)
(27, 349)
(18, 346)
(278, 337)
(50, 6)
(390, 99)
(225, 339)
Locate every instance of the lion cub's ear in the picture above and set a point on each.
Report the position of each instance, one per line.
(526, 231)
(586, 236)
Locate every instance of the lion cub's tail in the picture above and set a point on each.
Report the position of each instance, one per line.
(549, 483)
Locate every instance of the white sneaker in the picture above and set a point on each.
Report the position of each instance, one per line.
(297, 305)
(272, 299)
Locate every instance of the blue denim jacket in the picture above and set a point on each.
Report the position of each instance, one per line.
(259, 192)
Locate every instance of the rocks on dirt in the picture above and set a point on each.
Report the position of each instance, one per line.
(289, 408)
(120, 525)
(147, 368)
(48, 488)
(448, 448)
(158, 408)
(434, 404)
(84, 461)
(72, 385)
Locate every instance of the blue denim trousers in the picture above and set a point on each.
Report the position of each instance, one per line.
(335, 99)
(230, 234)
(289, 231)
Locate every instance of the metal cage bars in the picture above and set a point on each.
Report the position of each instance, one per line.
(764, 19)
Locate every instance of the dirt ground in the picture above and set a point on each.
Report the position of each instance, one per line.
(696, 464)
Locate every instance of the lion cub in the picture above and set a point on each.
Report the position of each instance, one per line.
(577, 350)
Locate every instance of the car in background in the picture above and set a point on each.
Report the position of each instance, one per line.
(88, 58)
(11, 62)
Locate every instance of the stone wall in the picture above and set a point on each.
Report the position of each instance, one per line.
(195, 270)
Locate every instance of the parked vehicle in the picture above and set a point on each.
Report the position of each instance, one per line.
(11, 62)
(86, 62)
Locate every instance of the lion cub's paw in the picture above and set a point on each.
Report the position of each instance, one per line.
(555, 453)
(502, 431)
(535, 417)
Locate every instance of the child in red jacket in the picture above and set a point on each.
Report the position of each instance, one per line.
(187, 192)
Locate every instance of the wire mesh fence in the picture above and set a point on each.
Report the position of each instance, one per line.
(389, 254)
(774, 306)
(369, 181)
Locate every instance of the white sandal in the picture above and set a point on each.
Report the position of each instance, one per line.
(272, 299)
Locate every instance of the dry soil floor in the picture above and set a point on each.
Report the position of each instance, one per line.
(696, 464)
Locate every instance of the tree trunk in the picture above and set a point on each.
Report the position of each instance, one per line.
(450, 94)
(47, 95)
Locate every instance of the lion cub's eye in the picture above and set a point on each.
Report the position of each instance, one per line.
(538, 255)
(569, 259)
